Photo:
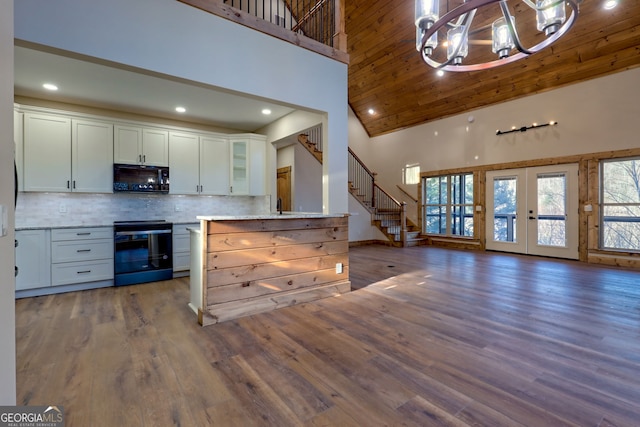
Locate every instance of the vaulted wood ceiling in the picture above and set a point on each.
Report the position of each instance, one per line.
(386, 73)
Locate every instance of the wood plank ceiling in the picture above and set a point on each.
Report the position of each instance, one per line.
(387, 74)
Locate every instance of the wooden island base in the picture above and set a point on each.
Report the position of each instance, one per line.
(255, 264)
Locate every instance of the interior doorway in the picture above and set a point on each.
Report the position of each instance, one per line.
(533, 211)
(284, 187)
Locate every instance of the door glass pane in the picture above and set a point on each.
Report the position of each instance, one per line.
(505, 206)
(552, 212)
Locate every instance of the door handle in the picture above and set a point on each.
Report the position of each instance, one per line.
(532, 217)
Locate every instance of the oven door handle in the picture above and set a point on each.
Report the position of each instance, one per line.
(134, 233)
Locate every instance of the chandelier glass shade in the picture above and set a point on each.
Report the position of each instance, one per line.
(489, 26)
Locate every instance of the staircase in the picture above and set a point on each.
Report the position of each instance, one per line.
(312, 147)
(387, 214)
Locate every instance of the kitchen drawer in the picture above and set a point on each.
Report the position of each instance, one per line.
(83, 233)
(81, 272)
(81, 250)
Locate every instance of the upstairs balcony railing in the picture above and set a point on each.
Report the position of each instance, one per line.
(317, 25)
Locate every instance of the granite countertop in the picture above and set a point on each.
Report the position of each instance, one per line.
(275, 215)
(82, 225)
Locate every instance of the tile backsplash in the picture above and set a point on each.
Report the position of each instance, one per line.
(44, 210)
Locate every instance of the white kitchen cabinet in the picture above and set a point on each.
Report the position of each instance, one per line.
(18, 135)
(144, 146)
(198, 164)
(182, 246)
(81, 255)
(47, 153)
(92, 156)
(257, 165)
(184, 158)
(214, 165)
(33, 259)
(63, 155)
(248, 164)
(239, 166)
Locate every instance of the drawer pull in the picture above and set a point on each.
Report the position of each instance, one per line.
(83, 250)
(83, 234)
(84, 272)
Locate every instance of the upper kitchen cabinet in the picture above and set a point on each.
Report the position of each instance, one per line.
(92, 156)
(183, 163)
(198, 164)
(18, 135)
(248, 164)
(47, 152)
(143, 146)
(214, 165)
(64, 155)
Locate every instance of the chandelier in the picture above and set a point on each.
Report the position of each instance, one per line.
(444, 41)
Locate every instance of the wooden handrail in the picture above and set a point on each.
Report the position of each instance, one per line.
(308, 15)
(361, 162)
(388, 195)
(414, 199)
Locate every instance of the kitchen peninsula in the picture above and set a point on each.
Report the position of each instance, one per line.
(256, 263)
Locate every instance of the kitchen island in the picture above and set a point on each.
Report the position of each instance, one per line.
(256, 263)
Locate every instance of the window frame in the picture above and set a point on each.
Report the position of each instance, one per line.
(603, 205)
(411, 171)
(452, 208)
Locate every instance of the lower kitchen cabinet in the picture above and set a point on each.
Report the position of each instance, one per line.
(182, 247)
(33, 259)
(81, 255)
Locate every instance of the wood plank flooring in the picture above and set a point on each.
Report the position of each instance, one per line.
(432, 337)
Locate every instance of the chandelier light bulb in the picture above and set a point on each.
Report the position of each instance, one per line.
(550, 16)
(426, 14)
(502, 40)
(458, 47)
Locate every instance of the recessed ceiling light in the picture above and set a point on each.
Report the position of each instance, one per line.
(371, 111)
(266, 111)
(181, 109)
(440, 73)
(50, 86)
(610, 4)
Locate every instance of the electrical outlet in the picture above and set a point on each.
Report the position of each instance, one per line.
(177, 208)
(339, 268)
(62, 208)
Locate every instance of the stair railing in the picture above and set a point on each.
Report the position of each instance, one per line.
(316, 19)
(385, 208)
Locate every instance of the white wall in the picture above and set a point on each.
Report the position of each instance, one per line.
(169, 37)
(593, 116)
(308, 179)
(7, 260)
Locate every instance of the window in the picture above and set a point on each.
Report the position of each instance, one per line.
(411, 174)
(448, 206)
(620, 201)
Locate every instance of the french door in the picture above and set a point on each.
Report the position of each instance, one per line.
(533, 211)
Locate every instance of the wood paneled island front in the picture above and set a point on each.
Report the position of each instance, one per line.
(253, 264)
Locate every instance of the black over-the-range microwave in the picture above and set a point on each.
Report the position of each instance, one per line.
(140, 178)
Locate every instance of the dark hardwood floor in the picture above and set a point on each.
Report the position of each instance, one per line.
(432, 337)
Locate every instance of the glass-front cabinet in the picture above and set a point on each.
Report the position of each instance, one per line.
(239, 166)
